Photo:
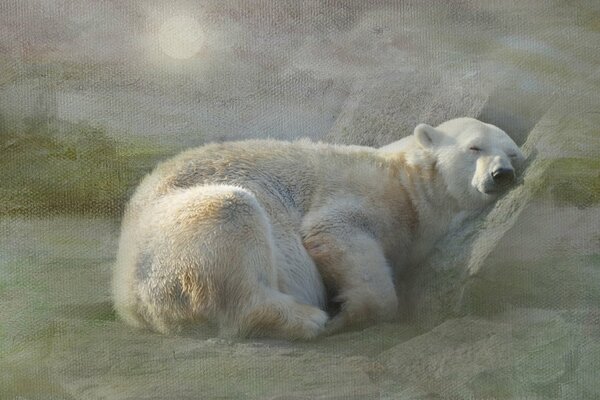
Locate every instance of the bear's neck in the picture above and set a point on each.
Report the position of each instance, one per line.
(435, 208)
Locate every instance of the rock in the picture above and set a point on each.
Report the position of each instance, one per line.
(482, 267)
(524, 354)
(387, 106)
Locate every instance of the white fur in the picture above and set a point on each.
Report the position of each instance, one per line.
(260, 237)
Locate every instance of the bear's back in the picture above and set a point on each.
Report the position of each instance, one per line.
(289, 171)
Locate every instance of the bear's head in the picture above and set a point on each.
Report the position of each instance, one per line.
(477, 161)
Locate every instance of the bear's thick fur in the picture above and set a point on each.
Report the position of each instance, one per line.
(259, 237)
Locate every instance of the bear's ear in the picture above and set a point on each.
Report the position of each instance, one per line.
(427, 136)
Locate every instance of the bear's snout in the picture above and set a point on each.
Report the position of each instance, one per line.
(503, 177)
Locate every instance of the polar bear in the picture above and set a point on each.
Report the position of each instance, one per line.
(264, 238)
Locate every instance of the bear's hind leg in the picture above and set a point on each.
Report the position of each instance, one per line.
(280, 315)
(220, 266)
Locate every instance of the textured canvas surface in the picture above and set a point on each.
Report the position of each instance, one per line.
(94, 93)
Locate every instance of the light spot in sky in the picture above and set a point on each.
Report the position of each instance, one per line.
(180, 37)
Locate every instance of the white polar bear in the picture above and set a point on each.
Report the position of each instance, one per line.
(260, 237)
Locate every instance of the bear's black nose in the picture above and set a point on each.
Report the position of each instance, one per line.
(503, 176)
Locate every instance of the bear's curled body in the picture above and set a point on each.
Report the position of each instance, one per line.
(248, 235)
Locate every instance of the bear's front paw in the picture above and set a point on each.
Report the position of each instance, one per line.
(359, 310)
